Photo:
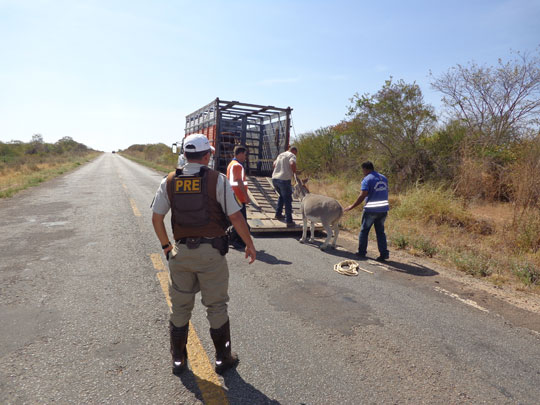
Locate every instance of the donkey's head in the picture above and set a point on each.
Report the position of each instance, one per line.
(300, 190)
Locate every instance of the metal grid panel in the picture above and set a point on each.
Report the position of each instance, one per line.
(263, 129)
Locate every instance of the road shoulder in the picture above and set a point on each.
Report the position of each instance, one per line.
(520, 308)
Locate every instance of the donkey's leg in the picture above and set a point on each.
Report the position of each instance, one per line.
(304, 229)
(328, 230)
(311, 233)
(335, 228)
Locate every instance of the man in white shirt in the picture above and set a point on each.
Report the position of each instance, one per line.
(284, 170)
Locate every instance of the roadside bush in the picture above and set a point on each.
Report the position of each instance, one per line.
(443, 147)
(319, 151)
(483, 172)
(399, 241)
(472, 263)
(425, 246)
(27, 164)
(417, 245)
(523, 176)
(525, 233)
(157, 155)
(432, 204)
(527, 273)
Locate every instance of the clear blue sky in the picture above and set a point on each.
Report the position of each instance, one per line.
(114, 73)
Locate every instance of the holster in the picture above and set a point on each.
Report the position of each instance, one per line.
(193, 243)
(222, 244)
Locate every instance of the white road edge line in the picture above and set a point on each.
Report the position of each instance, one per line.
(465, 301)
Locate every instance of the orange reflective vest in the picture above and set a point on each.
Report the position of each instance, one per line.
(236, 174)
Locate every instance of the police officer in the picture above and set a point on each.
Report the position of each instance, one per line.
(375, 190)
(200, 200)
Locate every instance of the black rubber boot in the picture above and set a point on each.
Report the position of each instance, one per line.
(225, 358)
(179, 338)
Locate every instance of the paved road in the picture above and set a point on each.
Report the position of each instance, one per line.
(84, 318)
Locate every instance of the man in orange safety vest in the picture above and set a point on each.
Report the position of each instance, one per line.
(237, 177)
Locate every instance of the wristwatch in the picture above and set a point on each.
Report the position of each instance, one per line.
(166, 246)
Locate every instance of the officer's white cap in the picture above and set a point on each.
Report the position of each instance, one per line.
(197, 143)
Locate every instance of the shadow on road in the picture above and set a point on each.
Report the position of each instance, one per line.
(270, 259)
(238, 391)
(414, 269)
(241, 392)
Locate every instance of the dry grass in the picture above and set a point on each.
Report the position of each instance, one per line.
(156, 156)
(22, 176)
(481, 239)
(152, 164)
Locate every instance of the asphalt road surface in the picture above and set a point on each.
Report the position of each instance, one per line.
(84, 319)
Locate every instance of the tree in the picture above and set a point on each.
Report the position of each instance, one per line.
(396, 119)
(36, 145)
(317, 151)
(498, 104)
(37, 138)
(444, 147)
(354, 144)
(66, 139)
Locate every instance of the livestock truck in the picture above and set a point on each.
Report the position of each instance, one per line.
(265, 131)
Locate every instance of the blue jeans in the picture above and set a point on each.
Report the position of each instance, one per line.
(234, 238)
(377, 219)
(284, 189)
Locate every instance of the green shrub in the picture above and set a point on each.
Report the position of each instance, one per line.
(433, 204)
(425, 246)
(472, 263)
(526, 231)
(400, 241)
(527, 273)
(159, 156)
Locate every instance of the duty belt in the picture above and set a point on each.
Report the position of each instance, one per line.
(220, 243)
(194, 241)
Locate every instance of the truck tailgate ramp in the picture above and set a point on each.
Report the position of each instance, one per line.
(261, 210)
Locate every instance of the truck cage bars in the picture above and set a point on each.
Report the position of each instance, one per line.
(263, 129)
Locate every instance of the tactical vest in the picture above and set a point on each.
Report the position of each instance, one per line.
(195, 211)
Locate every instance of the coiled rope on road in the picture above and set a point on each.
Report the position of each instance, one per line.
(347, 268)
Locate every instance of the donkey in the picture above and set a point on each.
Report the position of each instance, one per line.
(317, 208)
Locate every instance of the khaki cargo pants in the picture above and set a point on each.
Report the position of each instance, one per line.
(202, 269)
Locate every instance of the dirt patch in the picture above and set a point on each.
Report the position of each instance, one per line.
(500, 214)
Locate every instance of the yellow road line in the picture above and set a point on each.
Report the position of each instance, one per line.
(134, 207)
(125, 187)
(164, 282)
(157, 262)
(207, 379)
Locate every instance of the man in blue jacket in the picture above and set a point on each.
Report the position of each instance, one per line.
(375, 191)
